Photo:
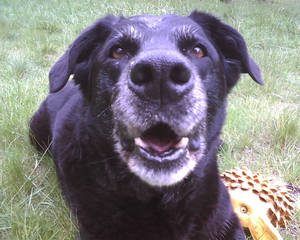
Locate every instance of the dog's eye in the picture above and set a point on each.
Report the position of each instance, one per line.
(197, 51)
(118, 53)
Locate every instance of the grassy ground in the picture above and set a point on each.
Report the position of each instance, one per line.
(262, 129)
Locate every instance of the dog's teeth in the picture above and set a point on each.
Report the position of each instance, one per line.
(182, 143)
(139, 142)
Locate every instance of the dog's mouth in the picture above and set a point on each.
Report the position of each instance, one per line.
(160, 156)
(160, 143)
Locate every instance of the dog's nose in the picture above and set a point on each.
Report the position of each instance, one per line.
(160, 78)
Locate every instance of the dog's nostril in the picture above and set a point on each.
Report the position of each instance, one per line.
(141, 74)
(180, 74)
(160, 79)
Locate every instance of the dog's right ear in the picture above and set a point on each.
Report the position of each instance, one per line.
(79, 51)
(231, 45)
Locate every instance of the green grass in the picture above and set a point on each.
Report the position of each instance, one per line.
(262, 128)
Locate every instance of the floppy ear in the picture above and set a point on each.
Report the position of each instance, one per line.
(231, 44)
(79, 51)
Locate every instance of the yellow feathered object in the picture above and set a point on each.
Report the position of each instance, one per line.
(261, 204)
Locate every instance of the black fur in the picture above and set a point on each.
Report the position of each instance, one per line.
(91, 134)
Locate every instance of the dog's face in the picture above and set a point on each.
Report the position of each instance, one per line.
(159, 103)
(164, 81)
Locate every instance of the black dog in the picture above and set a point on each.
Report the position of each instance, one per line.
(134, 135)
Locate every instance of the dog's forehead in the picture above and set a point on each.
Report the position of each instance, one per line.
(149, 20)
(164, 23)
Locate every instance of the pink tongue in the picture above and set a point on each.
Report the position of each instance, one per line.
(159, 146)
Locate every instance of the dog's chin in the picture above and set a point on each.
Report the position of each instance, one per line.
(159, 156)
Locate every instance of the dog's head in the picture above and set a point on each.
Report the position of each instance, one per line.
(163, 80)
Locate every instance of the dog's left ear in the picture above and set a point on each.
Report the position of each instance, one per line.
(231, 44)
(79, 51)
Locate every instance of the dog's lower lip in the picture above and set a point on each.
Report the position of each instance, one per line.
(168, 156)
(180, 144)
